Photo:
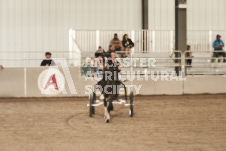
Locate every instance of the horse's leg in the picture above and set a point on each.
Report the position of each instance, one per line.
(106, 113)
(105, 108)
(110, 106)
(125, 91)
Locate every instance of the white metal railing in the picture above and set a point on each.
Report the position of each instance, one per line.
(144, 40)
(203, 40)
(34, 58)
(87, 41)
(204, 63)
(74, 50)
(165, 62)
(147, 40)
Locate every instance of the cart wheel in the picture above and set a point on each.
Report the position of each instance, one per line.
(94, 101)
(131, 104)
(90, 105)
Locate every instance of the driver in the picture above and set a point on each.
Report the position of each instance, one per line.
(111, 70)
(113, 65)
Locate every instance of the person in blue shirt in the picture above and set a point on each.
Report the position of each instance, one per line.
(218, 45)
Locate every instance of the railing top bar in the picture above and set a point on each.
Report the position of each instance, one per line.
(208, 30)
(118, 30)
(37, 59)
(142, 52)
(36, 51)
(205, 51)
(138, 30)
(161, 51)
(84, 51)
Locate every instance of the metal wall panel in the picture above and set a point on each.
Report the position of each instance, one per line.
(0, 27)
(205, 19)
(201, 14)
(206, 15)
(161, 14)
(43, 25)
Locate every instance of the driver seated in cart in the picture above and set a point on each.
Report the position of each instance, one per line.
(110, 73)
(113, 65)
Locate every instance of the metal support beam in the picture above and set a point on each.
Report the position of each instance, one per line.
(145, 23)
(180, 25)
(180, 30)
(145, 14)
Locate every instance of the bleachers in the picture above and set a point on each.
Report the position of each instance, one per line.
(202, 65)
(164, 61)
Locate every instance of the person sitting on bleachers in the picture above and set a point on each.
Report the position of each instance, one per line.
(110, 49)
(47, 61)
(97, 61)
(127, 44)
(87, 68)
(218, 45)
(99, 52)
(116, 43)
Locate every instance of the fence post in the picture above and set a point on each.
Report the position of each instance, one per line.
(210, 40)
(97, 39)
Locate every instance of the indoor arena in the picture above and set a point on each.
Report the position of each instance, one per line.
(127, 75)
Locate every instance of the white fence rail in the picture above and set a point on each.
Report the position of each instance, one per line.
(144, 40)
(34, 58)
(87, 41)
(204, 63)
(203, 40)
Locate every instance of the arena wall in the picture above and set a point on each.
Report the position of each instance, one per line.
(23, 82)
(200, 85)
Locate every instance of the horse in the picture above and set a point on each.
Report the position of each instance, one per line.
(108, 83)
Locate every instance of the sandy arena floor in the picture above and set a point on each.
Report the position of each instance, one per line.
(160, 123)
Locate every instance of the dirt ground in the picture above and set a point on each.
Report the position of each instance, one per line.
(160, 123)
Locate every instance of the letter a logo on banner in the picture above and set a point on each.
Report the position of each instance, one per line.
(52, 81)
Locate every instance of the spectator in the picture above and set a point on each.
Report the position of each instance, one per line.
(218, 45)
(1, 67)
(97, 61)
(189, 55)
(116, 43)
(47, 61)
(127, 44)
(110, 49)
(99, 52)
(87, 68)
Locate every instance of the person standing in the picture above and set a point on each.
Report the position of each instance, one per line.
(218, 46)
(189, 55)
(48, 61)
